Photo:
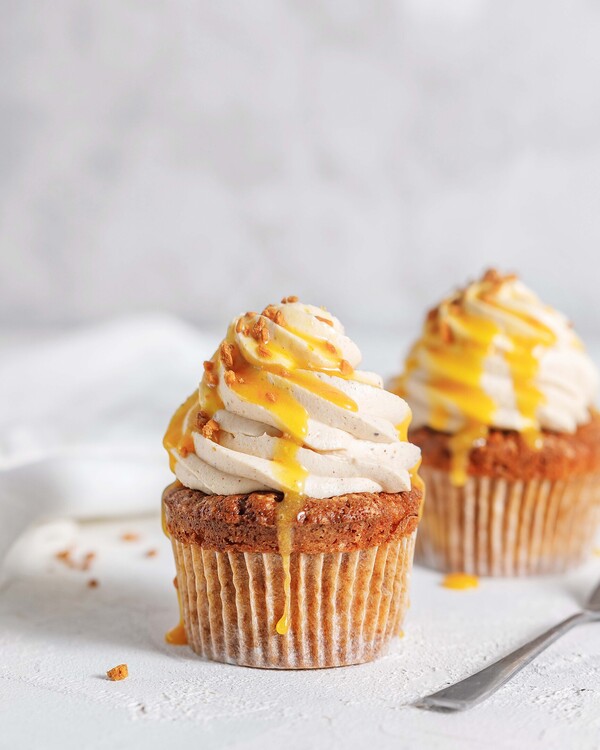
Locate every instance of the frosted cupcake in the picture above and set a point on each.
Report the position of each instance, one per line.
(502, 395)
(294, 513)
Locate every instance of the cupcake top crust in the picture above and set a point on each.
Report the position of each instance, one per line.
(493, 356)
(281, 406)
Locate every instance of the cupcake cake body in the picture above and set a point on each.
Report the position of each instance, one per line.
(294, 515)
(502, 393)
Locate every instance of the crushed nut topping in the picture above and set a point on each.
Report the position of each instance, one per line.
(226, 351)
(211, 430)
(274, 314)
(263, 351)
(271, 397)
(239, 326)
(209, 365)
(230, 377)
(212, 379)
(119, 672)
(202, 418)
(290, 299)
(260, 332)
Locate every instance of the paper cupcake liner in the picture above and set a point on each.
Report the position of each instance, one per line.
(345, 606)
(496, 527)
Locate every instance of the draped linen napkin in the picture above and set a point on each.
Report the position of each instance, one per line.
(82, 418)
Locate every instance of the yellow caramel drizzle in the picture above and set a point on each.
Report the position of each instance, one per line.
(456, 342)
(179, 434)
(292, 475)
(177, 635)
(460, 581)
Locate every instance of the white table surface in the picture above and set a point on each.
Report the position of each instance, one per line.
(58, 637)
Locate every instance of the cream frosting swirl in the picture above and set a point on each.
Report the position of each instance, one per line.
(282, 407)
(494, 355)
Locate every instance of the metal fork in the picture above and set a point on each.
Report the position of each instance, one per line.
(478, 687)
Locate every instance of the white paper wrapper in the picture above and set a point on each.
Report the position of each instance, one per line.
(345, 606)
(496, 527)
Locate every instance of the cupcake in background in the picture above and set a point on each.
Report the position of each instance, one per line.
(294, 514)
(502, 394)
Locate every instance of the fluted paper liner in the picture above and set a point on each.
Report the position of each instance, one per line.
(497, 527)
(345, 606)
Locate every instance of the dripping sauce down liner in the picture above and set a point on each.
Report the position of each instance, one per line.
(350, 566)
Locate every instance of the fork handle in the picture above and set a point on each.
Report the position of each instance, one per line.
(478, 687)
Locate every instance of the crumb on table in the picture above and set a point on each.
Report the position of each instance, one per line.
(119, 672)
(130, 536)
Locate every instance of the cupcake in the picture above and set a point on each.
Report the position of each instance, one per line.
(502, 395)
(296, 500)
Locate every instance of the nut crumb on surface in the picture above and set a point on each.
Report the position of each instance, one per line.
(93, 583)
(120, 672)
(152, 553)
(291, 298)
(65, 556)
(130, 536)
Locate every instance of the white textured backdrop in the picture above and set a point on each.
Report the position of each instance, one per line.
(207, 157)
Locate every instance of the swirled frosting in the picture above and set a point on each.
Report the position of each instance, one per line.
(282, 407)
(493, 355)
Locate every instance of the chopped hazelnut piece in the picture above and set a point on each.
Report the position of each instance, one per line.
(226, 351)
(230, 377)
(130, 536)
(211, 430)
(274, 314)
(239, 325)
(201, 419)
(263, 351)
(118, 673)
(152, 553)
(260, 331)
(292, 298)
(271, 397)
(211, 379)
(209, 365)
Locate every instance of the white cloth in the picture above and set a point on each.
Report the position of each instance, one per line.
(82, 420)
